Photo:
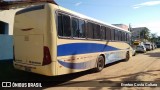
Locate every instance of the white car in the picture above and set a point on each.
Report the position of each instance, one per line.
(141, 48)
(148, 46)
(133, 50)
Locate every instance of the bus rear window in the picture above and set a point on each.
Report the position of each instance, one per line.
(39, 7)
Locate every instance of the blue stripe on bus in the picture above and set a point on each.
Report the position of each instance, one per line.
(82, 48)
(82, 65)
(110, 57)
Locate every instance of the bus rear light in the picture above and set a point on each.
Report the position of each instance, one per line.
(47, 56)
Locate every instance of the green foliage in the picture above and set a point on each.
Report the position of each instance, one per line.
(145, 34)
(154, 37)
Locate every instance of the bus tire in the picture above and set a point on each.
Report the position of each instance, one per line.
(100, 64)
(127, 56)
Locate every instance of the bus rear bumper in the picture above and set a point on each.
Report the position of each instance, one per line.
(43, 70)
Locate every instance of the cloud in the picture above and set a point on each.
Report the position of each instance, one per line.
(150, 3)
(78, 3)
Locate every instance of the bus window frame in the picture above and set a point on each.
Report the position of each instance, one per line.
(111, 39)
(71, 16)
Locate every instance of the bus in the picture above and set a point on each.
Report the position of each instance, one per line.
(52, 40)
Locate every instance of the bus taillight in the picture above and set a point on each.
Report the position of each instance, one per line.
(47, 56)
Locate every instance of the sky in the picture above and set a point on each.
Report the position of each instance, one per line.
(137, 13)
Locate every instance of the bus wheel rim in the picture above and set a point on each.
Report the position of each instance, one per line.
(100, 63)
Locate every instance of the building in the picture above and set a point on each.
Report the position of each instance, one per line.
(123, 26)
(136, 33)
(8, 10)
(7, 13)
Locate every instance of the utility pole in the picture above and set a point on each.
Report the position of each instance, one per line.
(130, 28)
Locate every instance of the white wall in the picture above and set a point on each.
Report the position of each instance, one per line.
(8, 17)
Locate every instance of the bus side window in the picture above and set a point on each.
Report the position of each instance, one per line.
(64, 27)
(108, 33)
(82, 31)
(60, 25)
(103, 33)
(121, 36)
(112, 34)
(75, 27)
(96, 31)
(129, 37)
(126, 37)
(116, 35)
(89, 30)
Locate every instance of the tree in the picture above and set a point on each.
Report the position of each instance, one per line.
(145, 34)
(154, 37)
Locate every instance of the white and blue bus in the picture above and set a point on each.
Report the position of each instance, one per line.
(52, 40)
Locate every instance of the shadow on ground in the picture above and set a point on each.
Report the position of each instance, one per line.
(8, 73)
(154, 54)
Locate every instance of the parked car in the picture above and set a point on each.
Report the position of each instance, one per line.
(140, 48)
(134, 50)
(148, 46)
(158, 44)
(154, 45)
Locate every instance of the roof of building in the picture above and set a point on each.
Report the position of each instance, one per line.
(119, 24)
(139, 28)
(4, 5)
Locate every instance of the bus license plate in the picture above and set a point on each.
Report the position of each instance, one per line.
(28, 69)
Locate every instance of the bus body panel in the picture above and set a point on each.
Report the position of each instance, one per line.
(34, 30)
(29, 51)
(80, 55)
(28, 37)
(43, 70)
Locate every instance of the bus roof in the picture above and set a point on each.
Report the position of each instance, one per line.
(89, 18)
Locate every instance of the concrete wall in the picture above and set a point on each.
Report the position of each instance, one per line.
(6, 41)
(6, 47)
(4, 27)
(8, 17)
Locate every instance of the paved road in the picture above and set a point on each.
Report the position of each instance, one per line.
(142, 67)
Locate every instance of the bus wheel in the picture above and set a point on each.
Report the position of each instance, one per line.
(100, 63)
(127, 56)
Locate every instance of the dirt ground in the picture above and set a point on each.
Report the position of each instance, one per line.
(142, 67)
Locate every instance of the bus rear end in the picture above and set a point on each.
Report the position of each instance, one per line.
(31, 51)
